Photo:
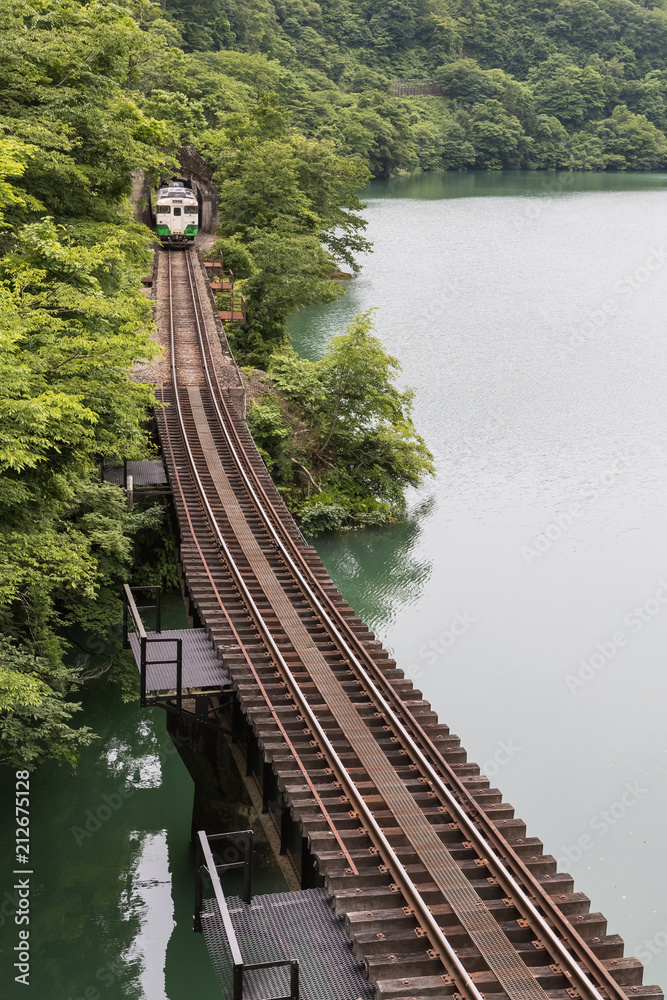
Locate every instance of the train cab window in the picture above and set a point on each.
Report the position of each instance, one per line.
(163, 209)
(177, 211)
(190, 209)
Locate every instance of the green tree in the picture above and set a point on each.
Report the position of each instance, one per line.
(550, 144)
(338, 433)
(63, 98)
(72, 322)
(568, 92)
(467, 82)
(292, 204)
(498, 137)
(625, 141)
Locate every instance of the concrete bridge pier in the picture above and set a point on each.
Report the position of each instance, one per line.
(235, 789)
(221, 802)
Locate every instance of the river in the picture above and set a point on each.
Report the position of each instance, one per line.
(528, 313)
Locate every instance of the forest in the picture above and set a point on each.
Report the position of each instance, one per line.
(294, 105)
(568, 84)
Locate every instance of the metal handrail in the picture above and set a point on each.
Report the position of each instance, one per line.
(130, 604)
(131, 610)
(247, 836)
(239, 965)
(149, 663)
(157, 607)
(220, 900)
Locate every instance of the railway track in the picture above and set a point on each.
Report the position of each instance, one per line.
(443, 893)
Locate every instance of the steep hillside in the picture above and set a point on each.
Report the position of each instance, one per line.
(572, 84)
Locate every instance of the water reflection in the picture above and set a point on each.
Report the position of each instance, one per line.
(509, 184)
(105, 922)
(147, 899)
(136, 761)
(387, 557)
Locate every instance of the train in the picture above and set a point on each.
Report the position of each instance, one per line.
(177, 213)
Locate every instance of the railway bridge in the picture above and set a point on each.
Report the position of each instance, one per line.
(428, 872)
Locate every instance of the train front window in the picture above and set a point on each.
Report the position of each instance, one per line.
(190, 209)
(163, 209)
(177, 211)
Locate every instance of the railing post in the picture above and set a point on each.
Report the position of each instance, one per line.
(199, 887)
(126, 631)
(179, 674)
(247, 869)
(142, 696)
(294, 980)
(238, 982)
(158, 609)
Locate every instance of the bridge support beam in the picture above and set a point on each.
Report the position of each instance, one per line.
(267, 786)
(221, 801)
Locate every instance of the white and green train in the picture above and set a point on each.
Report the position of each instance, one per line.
(177, 214)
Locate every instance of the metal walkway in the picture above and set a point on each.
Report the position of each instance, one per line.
(200, 664)
(298, 925)
(143, 473)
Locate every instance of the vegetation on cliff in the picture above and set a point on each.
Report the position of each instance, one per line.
(288, 212)
(290, 98)
(568, 84)
(73, 320)
(337, 434)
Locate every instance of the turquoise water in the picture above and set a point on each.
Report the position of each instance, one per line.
(528, 312)
(112, 889)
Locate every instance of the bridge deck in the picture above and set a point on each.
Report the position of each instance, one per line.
(202, 667)
(442, 891)
(152, 473)
(298, 925)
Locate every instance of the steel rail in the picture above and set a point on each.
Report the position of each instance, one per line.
(495, 864)
(437, 938)
(248, 659)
